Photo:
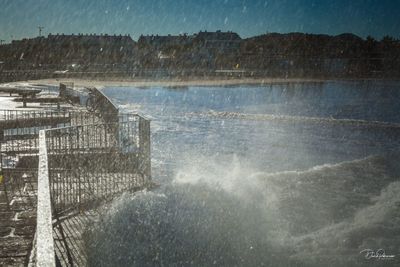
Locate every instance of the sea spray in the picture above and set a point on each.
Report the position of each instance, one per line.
(185, 225)
(226, 214)
(304, 187)
(197, 222)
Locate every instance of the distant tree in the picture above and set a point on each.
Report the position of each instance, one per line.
(388, 42)
(370, 40)
(371, 43)
(388, 39)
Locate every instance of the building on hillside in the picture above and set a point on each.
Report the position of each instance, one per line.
(223, 42)
(163, 41)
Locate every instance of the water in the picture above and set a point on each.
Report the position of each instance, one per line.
(282, 175)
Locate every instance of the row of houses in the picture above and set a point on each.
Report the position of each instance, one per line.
(270, 54)
(212, 40)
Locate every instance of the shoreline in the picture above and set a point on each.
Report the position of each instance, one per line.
(177, 83)
(180, 82)
(173, 82)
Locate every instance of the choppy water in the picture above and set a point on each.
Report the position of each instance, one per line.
(282, 175)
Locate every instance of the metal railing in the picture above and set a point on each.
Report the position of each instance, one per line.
(68, 93)
(19, 132)
(66, 163)
(86, 166)
(92, 162)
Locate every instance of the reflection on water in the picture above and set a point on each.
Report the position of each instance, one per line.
(262, 175)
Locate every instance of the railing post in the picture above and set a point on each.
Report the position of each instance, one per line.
(45, 254)
(144, 147)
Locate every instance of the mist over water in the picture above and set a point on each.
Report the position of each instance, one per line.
(305, 175)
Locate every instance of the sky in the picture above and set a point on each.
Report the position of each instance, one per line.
(20, 18)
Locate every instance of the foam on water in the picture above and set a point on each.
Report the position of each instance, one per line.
(294, 119)
(261, 176)
(224, 213)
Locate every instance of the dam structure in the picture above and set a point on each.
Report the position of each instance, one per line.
(57, 167)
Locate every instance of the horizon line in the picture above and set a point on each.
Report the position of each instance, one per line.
(190, 34)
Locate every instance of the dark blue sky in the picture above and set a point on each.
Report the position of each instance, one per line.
(20, 18)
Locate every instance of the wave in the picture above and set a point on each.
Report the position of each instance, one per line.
(373, 227)
(329, 193)
(289, 118)
(333, 212)
(226, 214)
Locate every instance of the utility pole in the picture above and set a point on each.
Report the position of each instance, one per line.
(40, 30)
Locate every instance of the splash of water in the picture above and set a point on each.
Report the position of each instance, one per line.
(226, 214)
